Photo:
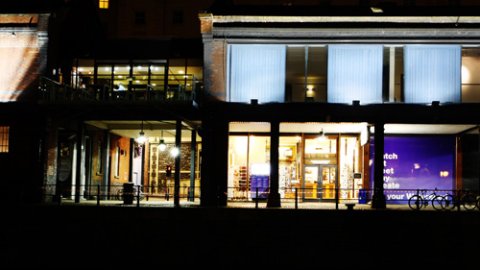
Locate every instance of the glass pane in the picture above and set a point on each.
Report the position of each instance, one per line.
(104, 75)
(157, 77)
(355, 73)
(316, 74)
(177, 77)
(121, 77)
(237, 168)
(295, 74)
(82, 76)
(432, 73)
(349, 163)
(321, 150)
(289, 162)
(256, 72)
(195, 72)
(259, 165)
(470, 78)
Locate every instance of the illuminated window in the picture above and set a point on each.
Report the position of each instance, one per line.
(4, 132)
(433, 73)
(103, 4)
(355, 73)
(257, 71)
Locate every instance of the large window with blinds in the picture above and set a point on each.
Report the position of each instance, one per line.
(432, 73)
(343, 73)
(4, 139)
(355, 73)
(256, 72)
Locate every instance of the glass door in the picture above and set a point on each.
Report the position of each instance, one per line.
(310, 185)
(326, 186)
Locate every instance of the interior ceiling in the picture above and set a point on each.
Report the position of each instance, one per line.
(425, 129)
(166, 129)
(152, 129)
(334, 128)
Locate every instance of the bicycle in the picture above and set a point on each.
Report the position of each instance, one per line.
(417, 201)
(467, 199)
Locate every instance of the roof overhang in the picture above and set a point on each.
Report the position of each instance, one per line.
(342, 19)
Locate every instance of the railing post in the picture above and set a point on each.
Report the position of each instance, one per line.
(459, 200)
(336, 198)
(138, 196)
(256, 198)
(98, 195)
(296, 198)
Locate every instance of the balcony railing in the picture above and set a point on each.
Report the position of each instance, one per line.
(51, 91)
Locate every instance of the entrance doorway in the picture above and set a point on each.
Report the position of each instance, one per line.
(320, 180)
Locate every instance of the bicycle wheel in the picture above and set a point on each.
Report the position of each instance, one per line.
(469, 201)
(437, 202)
(415, 202)
(448, 202)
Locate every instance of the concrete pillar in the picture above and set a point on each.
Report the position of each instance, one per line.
(106, 163)
(214, 170)
(378, 199)
(193, 152)
(79, 163)
(178, 141)
(274, 196)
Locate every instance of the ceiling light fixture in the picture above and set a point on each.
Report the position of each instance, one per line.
(141, 139)
(321, 135)
(162, 146)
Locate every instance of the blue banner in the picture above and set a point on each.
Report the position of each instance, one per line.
(416, 162)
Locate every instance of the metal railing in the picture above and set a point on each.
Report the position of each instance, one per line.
(120, 194)
(338, 198)
(54, 92)
(290, 198)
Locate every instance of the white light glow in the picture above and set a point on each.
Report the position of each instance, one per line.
(174, 152)
(318, 161)
(465, 74)
(260, 169)
(141, 139)
(162, 146)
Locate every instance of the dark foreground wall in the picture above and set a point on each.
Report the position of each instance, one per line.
(88, 237)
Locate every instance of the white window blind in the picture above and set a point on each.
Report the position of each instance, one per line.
(256, 72)
(355, 73)
(432, 73)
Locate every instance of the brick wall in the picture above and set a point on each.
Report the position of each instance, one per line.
(215, 68)
(23, 44)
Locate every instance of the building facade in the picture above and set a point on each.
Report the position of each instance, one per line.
(111, 100)
(325, 103)
(221, 102)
